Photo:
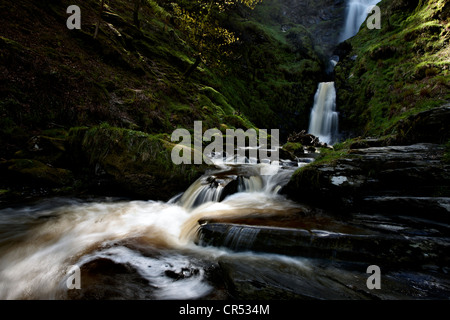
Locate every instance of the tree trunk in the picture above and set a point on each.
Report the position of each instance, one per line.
(137, 6)
(192, 68)
(99, 19)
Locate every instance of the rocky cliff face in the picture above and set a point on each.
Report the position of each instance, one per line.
(369, 176)
(323, 19)
(400, 70)
(319, 21)
(391, 84)
(282, 55)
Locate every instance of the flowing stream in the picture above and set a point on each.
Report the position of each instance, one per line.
(40, 243)
(149, 249)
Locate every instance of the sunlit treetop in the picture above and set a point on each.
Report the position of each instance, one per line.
(199, 21)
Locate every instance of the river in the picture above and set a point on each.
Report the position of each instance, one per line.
(40, 242)
(230, 235)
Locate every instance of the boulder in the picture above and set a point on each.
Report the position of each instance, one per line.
(272, 278)
(394, 171)
(127, 162)
(269, 279)
(432, 126)
(395, 249)
(33, 172)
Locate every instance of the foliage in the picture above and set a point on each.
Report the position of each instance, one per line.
(397, 71)
(200, 22)
(447, 152)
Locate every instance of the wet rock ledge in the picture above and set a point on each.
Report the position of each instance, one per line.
(410, 180)
(385, 205)
(386, 248)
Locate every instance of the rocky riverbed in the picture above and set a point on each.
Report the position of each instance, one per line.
(379, 205)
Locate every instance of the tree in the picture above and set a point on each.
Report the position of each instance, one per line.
(200, 21)
(137, 6)
(99, 18)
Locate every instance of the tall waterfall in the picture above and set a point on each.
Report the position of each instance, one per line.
(357, 11)
(324, 118)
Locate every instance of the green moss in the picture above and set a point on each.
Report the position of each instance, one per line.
(294, 148)
(329, 156)
(134, 159)
(219, 99)
(37, 171)
(446, 158)
(11, 44)
(400, 70)
(307, 175)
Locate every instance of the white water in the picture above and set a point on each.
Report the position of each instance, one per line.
(38, 244)
(324, 119)
(357, 12)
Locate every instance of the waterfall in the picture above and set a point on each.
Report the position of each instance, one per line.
(231, 177)
(324, 118)
(240, 237)
(357, 11)
(215, 187)
(200, 192)
(38, 244)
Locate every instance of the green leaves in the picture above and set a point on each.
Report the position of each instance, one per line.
(200, 21)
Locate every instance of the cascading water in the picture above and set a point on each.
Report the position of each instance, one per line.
(240, 238)
(357, 11)
(324, 119)
(153, 239)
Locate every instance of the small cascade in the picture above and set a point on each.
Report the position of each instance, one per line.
(267, 179)
(332, 63)
(211, 188)
(357, 11)
(240, 237)
(250, 184)
(324, 119)
(206, 189)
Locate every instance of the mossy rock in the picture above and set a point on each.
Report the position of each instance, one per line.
(447, 153)
(295, 148)
(48, 150)
(136, 163)
(35, 172)
(387, 75)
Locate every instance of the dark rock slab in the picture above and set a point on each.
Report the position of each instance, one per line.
(391, 248)
(428, 126)
(414, 171)
(267, 279)
(436, 208)
(273, 278)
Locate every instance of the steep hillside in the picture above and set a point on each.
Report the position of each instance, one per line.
(55, 78)
(398, 71)
(393, 89)
(283, 54)
(130, 80)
